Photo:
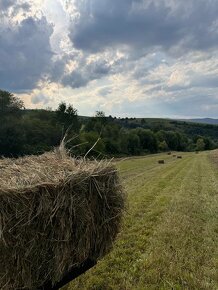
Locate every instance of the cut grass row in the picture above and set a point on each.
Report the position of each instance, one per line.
(169, 237)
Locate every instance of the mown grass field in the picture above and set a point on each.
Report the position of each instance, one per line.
(169, 238)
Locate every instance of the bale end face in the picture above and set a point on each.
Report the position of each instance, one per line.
(55, 215)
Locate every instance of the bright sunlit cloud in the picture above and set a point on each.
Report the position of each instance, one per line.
(125, 57)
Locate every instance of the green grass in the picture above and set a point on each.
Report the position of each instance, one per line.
(169, 238)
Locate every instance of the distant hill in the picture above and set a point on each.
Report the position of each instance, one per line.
(202, 121)
(189, 127)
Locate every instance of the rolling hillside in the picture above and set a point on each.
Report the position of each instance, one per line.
(188, 128)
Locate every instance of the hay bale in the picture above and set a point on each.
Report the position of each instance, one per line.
(174, 155)
(169, 153)
(55, 214)
(179, 157)
(161, 161)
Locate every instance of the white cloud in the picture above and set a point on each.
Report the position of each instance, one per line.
(124, 56)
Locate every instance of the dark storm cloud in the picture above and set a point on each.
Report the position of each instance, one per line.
(56, 70)
(25, 53)
(86, 73)
(75, 80)
(139, 24)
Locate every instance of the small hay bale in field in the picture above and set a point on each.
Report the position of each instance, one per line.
(161, 161)
(169, 153)
(54, 215)
(174, 155)
(179, 157)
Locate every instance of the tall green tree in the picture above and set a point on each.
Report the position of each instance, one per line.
(9, 104)
(11, 132)
(200, 145)
(148, 140)
(133, 144)
(163, 146)
(67, 116)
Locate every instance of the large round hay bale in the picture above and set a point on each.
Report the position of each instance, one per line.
(54, 215)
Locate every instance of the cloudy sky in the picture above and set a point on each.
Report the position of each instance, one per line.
(142, 58)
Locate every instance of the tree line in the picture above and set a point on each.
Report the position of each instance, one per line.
(24, 132)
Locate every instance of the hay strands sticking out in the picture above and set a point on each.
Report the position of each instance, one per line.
(55, 214)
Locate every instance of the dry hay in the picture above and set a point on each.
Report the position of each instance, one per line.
(161, 161)
(54, 214)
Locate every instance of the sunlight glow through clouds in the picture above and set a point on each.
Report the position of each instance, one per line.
(121, 56)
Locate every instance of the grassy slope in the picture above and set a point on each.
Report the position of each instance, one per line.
(170, 235)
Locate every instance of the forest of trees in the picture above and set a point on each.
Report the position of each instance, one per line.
(25, 132)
